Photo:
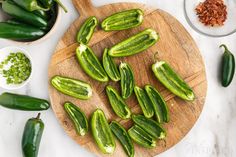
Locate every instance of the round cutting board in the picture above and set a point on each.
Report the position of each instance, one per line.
(176, 47)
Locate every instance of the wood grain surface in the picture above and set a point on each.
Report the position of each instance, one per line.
(176, 47)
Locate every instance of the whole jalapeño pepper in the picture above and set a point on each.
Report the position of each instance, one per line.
(21, 14)
(23, 102)
(30, 5)
(228, 67)
(49, 4)
(32, 136)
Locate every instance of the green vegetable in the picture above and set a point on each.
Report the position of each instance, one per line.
(144, 102)
(117, 103)
(19, 13)
(141, 137)
(32, 136)
(30, 5)
(72, 87)
(102, 133)
(23, 102)
(90, 63)
(135, 44)
(53, 15)
(123, 20)
(127, 80)
(42, 14)
(50, 3)
(170, 79)
(47, 3)
(228, 67)
(122, 135)
(160, 108)
(110, 67)
(78, 117)
(16, 68)
(150, 126)
(19, 31)
(87, 29)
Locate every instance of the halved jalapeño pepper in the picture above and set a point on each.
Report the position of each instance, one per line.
(78, 117)
(228, 67)
(123, 20)
(86, 31)
(135, 44)
(23, 102)
(122, 135)
(141, 137)
(117, 103)
(144, 102)
(102, 133)
(90, 63)
(150, 126)
(32, 137)
(127, 80)
(72, 87)
(110, 67)
(170, 79)
(160, 108)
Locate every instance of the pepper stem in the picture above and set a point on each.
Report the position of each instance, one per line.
(43, 9)
(59, 3)
(164, 142)
(38, 116)
(225, 47)
(155, 56)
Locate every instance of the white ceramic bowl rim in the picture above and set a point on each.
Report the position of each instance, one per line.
(4, 52)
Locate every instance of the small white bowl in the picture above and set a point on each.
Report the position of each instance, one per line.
(4, 52)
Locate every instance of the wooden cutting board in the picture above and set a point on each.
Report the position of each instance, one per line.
(176, 47)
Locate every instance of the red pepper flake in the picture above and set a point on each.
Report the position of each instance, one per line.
(212, 12)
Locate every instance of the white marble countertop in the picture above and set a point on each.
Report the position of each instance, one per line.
(214, 134)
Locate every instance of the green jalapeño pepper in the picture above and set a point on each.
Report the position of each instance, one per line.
(72, 87)
(123, 20)
(228, 67)
(47, 3)
(134, 44)
(159, 105)
(30, 5)
(19, 13)
(42, 14)
(87, 29)
(150, 126)
(144, 102)
(141, 137)
(23, 102)
(78, 117)
(90, 63)
(32, 136)
(110, 66)
(102, 133)
(117, 103)
(170, 79)
(50, 3)
(122, 135)
(18, 31)
(127, 80)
